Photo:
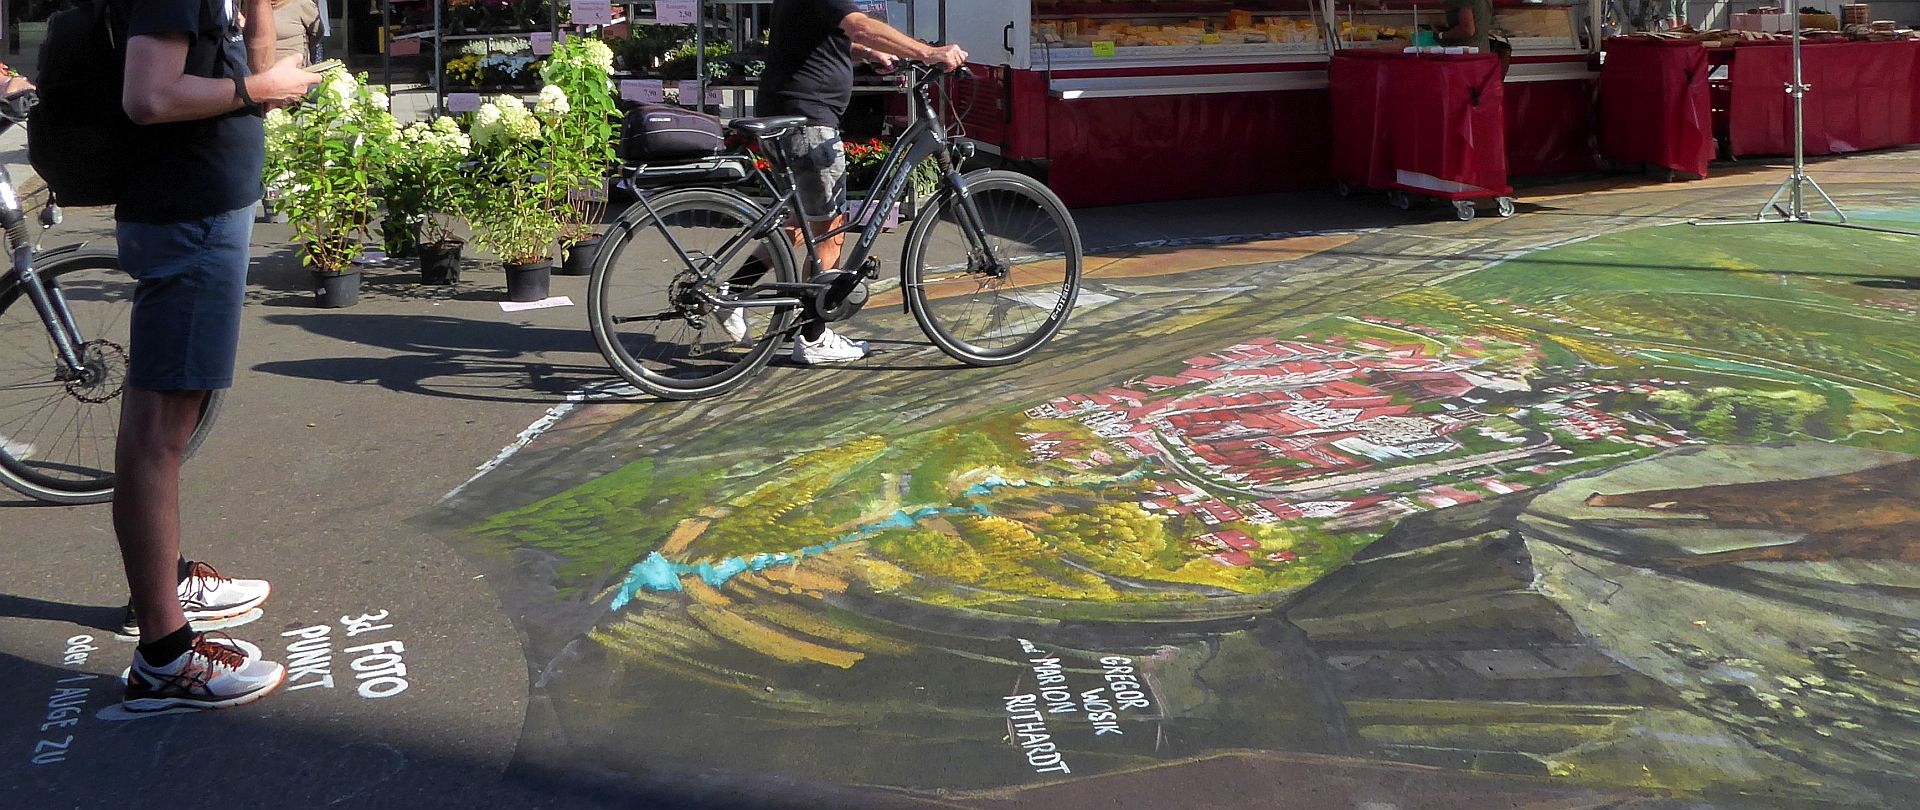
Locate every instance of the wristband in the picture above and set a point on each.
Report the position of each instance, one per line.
(246, 101)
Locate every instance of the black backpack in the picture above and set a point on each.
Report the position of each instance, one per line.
(77, 135)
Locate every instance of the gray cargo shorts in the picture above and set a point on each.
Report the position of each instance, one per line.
(820, 171)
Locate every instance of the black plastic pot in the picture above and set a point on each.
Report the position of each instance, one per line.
(336, 290)
(440, 262)
(579, 261)
(528, 282)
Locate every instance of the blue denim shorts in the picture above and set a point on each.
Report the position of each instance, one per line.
(192, 279)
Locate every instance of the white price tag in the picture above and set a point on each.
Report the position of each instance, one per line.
(542, 44)
(676, 12)
(713, 96)
(592, 12)
(689, 92)
(644, 91)
(463, 102)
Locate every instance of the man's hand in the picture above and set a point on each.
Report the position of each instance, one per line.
(949, 56)
(883, 63)
(283, 84)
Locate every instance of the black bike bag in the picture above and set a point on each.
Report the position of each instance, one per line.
(656, 132)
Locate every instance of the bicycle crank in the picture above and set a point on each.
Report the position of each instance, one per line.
(841, 293)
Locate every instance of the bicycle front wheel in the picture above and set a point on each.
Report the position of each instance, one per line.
(649, 300)
(57, 429)
(973, 313)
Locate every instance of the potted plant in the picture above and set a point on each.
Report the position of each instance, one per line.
(425, 187)
(513, 211)
(324, 156)
(579, 142)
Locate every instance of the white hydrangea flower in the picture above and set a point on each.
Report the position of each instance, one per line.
(378, 98)
(553, 103)
(599, 55)
(446, 124)
(341, 86)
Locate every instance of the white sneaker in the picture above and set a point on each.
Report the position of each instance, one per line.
(735, 324)
(206, 596)
(830, 348)
(214, 674)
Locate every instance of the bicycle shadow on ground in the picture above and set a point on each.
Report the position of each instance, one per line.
(448, 357)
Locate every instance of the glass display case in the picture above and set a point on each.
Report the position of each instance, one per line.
(1531, 27)
(1076, 31)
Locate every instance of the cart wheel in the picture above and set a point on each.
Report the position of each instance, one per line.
(1343, 188)
(1506, 206)
(1400, 199)
(1463, 210)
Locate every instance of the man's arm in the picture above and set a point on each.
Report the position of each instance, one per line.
(260, 35)
(881, 37)
(158, 89)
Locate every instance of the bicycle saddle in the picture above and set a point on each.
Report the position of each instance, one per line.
(769, 127)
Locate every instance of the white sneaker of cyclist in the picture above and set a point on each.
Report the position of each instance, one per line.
(830, 348)
(214, 673)
(735, 324)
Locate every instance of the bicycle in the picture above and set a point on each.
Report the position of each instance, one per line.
(63, 360)
(990, 268)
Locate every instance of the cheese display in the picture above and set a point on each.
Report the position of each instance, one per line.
(1232, 30)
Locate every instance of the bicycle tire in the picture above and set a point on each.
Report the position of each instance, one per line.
(23, 340)
(1044, 280)
(690, 356)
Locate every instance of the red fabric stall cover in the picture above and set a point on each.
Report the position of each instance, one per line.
(1655, 106)
(1862, 97)
(1447, 124)
(1115, 151)
(1550, 127)
(1357, 82)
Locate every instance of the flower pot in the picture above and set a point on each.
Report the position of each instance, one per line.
(528, 282)
(579, 261)
(336, 290)
(440, 262)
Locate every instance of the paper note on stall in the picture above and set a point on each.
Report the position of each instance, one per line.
(644, 91)
(676, 12)
(592, 12)
(542, 43)
(463, 102)
(1103, 47)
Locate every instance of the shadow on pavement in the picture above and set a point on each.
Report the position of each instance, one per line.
(446, 357)
(106, 618)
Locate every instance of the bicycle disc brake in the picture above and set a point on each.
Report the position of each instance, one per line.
(103, 376)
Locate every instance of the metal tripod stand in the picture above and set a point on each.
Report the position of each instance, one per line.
(1789, 201)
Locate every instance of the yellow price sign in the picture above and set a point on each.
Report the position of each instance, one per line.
(1209, 39)
(1103, 47)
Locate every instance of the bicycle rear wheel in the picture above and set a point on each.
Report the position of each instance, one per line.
(979, 317)
(645, 301)
(57, 436)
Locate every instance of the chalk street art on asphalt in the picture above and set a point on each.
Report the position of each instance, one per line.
(1631, 518)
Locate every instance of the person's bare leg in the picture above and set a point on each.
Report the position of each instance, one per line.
(829, 251)
(155, 427)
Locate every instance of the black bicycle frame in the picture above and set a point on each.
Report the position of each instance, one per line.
(926, 137)
(48, 301)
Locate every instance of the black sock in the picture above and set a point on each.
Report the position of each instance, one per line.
(812, 330)
(173, 645)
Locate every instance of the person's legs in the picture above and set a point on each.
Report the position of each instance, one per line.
(820, 183)
(154, 429)
(184, 336)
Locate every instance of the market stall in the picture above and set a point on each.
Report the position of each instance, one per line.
(1863, 85)
(1126, 101)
